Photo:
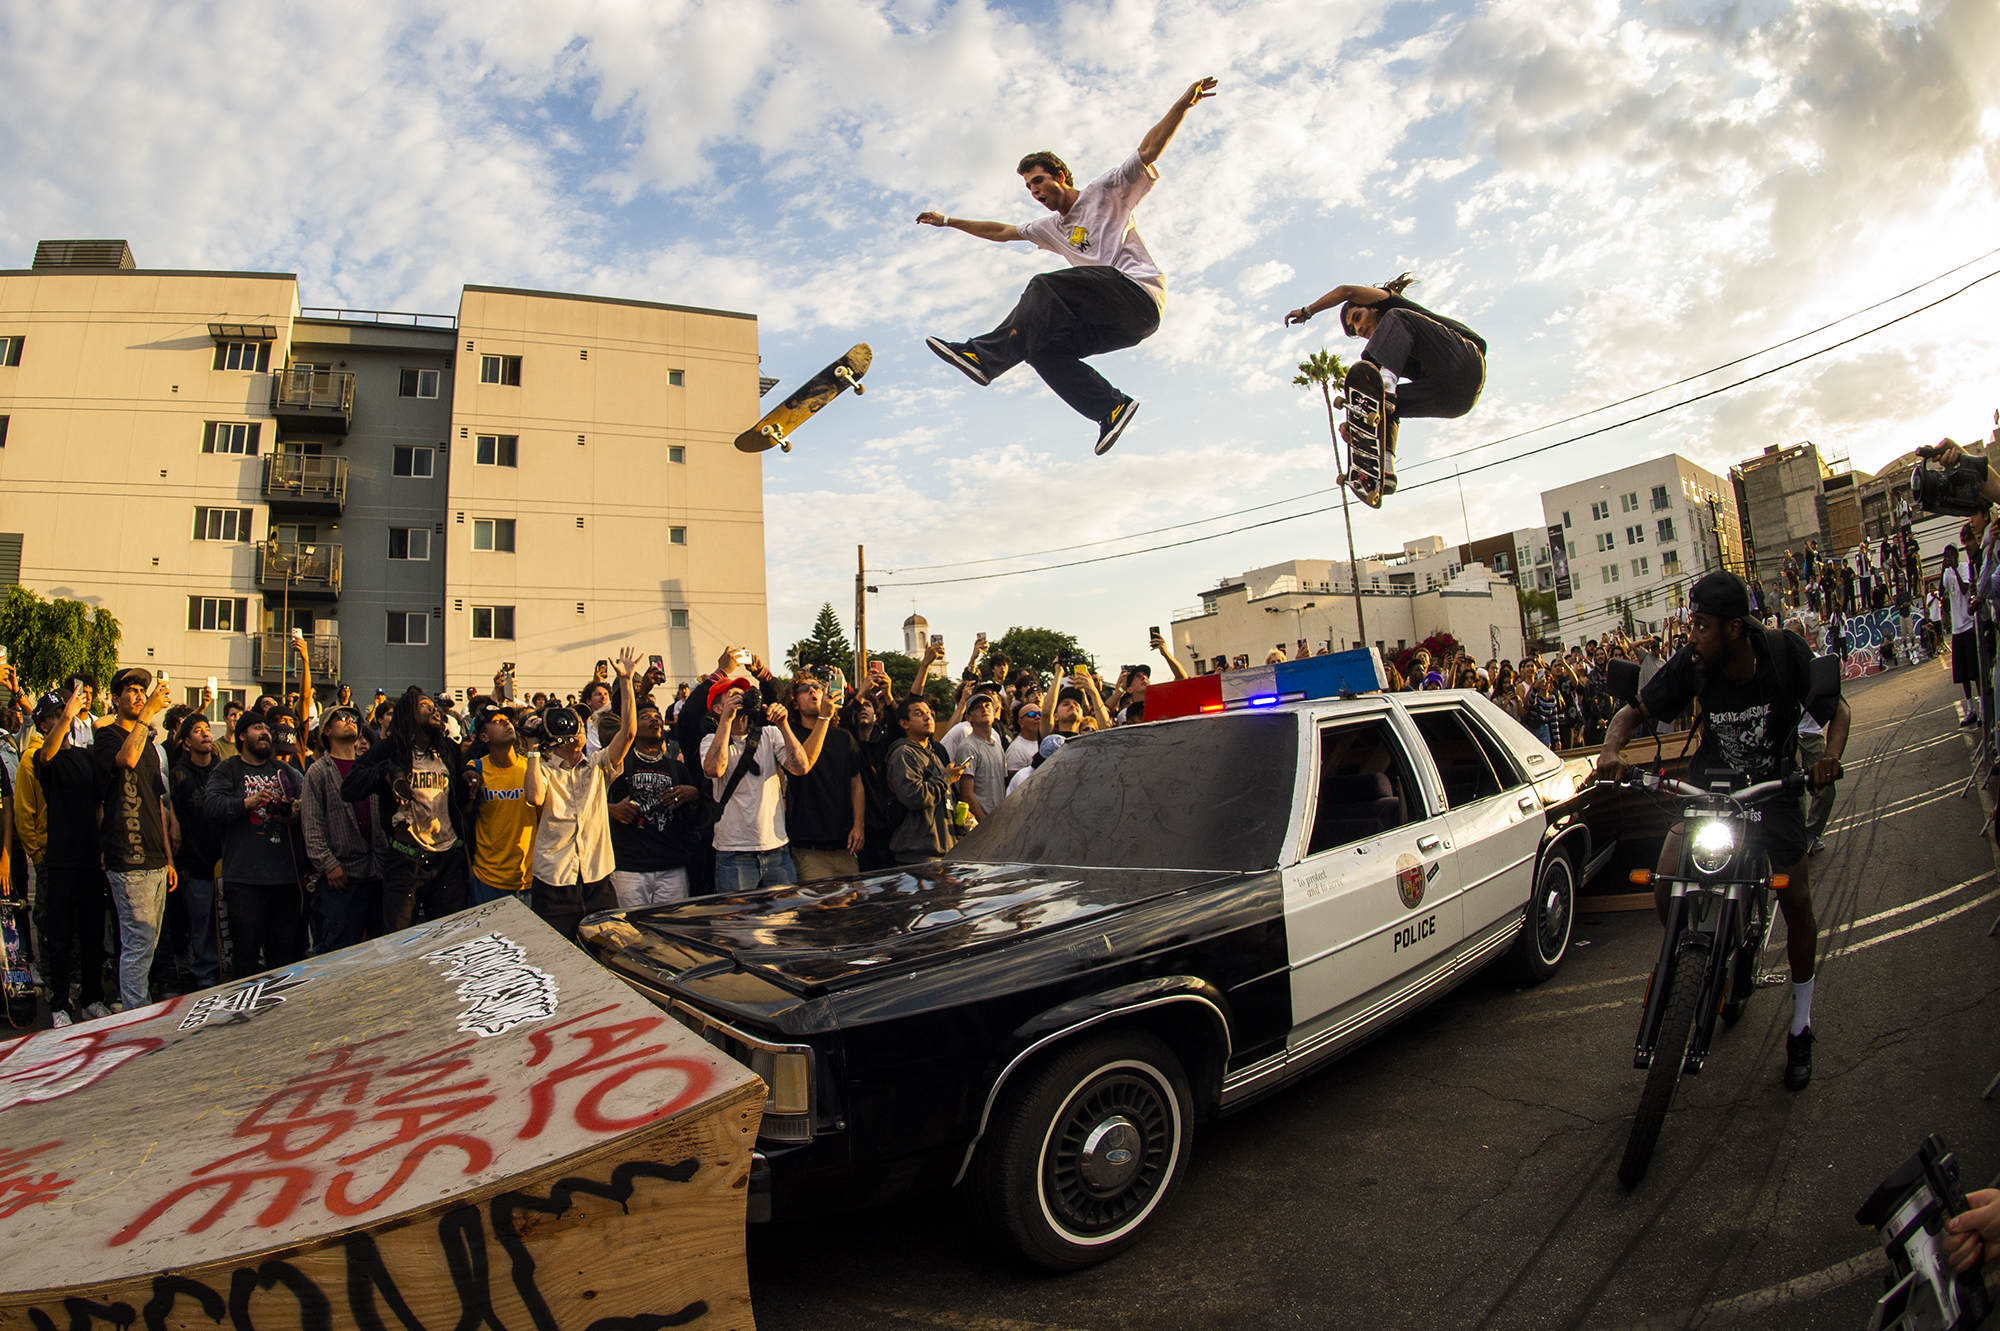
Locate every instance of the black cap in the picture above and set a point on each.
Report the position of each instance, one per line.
(51, 704)
(1722, 595)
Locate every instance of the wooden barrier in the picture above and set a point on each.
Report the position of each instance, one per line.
(465, 1124)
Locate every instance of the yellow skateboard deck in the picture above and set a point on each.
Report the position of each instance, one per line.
(794, 411)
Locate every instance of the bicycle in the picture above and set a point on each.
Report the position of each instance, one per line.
(1719, 915)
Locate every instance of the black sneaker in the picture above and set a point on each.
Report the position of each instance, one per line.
(952, 353)
(1798, 1060)
(1114, 425)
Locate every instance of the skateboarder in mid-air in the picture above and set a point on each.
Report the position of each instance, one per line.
(1109, 298)
(1441, 362)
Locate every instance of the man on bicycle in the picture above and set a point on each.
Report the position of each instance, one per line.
(1728, 665)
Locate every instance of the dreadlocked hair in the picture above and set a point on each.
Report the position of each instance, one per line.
(406, 727)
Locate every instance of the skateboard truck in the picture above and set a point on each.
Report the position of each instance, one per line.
(776, 436)
(843, 373)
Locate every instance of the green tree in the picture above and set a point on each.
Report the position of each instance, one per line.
(827, 648)
(1538, 614)
(48, 641)
(1322, 370)
(1036, 650)
(942, 691)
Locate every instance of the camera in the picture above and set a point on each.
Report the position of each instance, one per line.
(1956, 492)
(1909, 1210)
(755, 713)
(559, 725)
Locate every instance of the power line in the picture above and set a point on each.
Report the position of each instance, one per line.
(1497, 462)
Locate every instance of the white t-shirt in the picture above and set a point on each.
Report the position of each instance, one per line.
(985, 762)
(1020, 779)
(573, 839)
(1098, 229)
(755, 817)
(1958, 594)
(1021, 753)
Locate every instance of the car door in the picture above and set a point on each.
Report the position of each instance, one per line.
(1494, 816)
(1375, 893)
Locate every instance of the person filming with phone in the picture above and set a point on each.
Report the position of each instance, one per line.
(744, 769)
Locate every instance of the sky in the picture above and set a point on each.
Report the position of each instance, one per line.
(1616, 196)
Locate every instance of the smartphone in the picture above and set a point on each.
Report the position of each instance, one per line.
(211, 686)
(937, 639)
(298, 633)
(658, 664)
(161, 678)
(3, 653)
(1154, 630)
(75, 683)
(508, 668)
(742, 657)
(604, 665)
(981, 638)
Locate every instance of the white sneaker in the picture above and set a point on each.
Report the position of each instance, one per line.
(59, 1018)
(94, 1011)
(1818, 846)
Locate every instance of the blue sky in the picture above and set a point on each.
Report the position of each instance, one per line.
(1615, 195)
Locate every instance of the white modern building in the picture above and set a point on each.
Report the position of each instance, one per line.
(1632, 540)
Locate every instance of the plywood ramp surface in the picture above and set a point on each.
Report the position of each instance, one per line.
(468, 1123)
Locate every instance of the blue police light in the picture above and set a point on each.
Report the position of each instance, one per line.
(1264, 702)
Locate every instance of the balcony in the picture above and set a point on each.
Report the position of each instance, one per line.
(305, 482)
(272, 657)
(307, 400)
(300, 572)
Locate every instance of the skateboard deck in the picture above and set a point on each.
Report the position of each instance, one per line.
(1371, 432)
(822, 388)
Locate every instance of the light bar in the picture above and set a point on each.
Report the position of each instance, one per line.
(1356, 671)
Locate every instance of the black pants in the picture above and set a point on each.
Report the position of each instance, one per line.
(437, 883)
(71, 908)
(1443, 372)
(1063, 317)
(267, 927)
(562, 907)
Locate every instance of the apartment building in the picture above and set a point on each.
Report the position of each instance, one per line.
(1781, 494)
(1635, 539)
(538, 478)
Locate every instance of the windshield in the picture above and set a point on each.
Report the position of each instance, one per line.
(1205, 793)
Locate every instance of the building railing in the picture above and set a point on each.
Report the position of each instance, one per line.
(305, 478)
(302, 567)
(306, 388)
(444, 321)
(272, 655)
(1189, 612)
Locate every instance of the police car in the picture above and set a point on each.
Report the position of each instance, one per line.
(1167, 922)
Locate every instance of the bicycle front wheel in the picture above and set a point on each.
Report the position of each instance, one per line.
(1669, 1053)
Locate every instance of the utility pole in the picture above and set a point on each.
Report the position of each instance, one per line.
(860, 618)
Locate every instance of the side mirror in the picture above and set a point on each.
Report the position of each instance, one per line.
(1623, 677)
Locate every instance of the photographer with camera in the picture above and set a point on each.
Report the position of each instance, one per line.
(752, 846)
(415, 776)
(253, 798)
(574, 858)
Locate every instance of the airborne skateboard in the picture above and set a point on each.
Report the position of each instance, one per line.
(1370, 431)
(822, 388)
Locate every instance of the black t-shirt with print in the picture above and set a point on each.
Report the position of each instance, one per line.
(133, 834)
(1738, 730)
(664, 836)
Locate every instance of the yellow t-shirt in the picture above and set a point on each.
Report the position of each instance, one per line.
(503, 842)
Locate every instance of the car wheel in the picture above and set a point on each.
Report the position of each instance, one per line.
(1082, 1153)
(1551, 916)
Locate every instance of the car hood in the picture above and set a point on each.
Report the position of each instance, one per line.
(823, 935)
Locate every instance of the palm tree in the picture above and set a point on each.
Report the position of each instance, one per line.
(1322, 370)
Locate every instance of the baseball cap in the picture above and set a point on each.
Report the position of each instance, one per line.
(50, 704)
(722, 686)
(1050, 743)
(1721, 594)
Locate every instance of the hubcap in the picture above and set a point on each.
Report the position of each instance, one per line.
(1110, 1156)
(1555, 914)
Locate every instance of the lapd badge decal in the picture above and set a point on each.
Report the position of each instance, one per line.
(1410, 880)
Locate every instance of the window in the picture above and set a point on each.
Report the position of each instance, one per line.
(1565, 519)
(1665, 529)
(675, 453)
(1606, 541)
(418, 383)
(230, 437)
(414, 462)
(410, 628)
(679, 620)
(222, 524)
(1646, 599)
(1611, 572)
(1468, 774)
(1364, 787)
(1635, 535)
(1572, 549)
(1639, 569)
(677, 536)
(254, 356)
(3, 432)
(1629, 503)
(1670, 561)
(500, 370)
(493, 534)
(1599, 512)
(493, 621)
(218, 614)
(10, 349)
(409, 543)
(495, 450)
(676, 379)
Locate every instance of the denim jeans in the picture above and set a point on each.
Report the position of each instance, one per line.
(1062, 317)
(745, 870)
(197, 901)
(478, 893)
(140, 897)
(652, 887)
(347, 915)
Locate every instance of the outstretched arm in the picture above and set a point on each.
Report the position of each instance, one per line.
(1340, 294)
(1001, 231)
(1159, 136)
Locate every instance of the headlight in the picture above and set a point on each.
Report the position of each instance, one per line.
(1714, 843)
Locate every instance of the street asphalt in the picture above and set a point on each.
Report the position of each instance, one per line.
(1461, 1170)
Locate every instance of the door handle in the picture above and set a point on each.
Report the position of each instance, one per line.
(1427, 844)
(1529, 804)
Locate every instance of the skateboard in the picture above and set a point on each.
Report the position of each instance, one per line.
(1370, 404)
(794, 411)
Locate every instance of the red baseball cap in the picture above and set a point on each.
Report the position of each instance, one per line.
(722, 686)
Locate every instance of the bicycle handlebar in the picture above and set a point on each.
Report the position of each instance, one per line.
(1795, 784)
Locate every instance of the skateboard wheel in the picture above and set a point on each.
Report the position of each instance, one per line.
(784, 445)
(1340, 402)
(859, 390)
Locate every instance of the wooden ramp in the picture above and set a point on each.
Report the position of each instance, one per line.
(465, 1124)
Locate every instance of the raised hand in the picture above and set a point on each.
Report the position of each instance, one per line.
(626, 661)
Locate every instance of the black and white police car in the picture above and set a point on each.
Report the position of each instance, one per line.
(1167, 922)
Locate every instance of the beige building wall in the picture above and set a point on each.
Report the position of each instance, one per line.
(103, 467)
(597, 494)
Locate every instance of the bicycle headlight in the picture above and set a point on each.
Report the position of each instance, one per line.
(1714, 843)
